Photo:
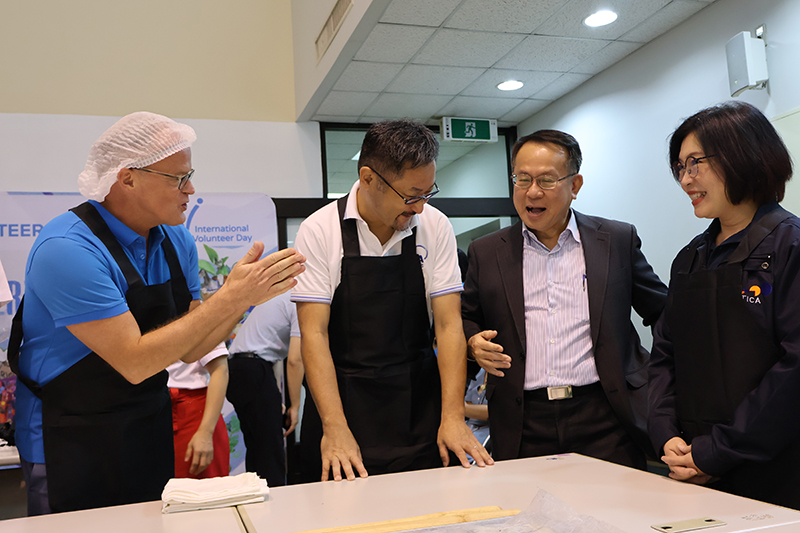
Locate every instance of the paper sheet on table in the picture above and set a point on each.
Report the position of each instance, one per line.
(213, 493)
(545, 514)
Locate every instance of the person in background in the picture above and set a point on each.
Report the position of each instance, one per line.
(382, 270)
(725, 370)
(113, 298)
(547, 314)
(269, 335)
(197, 391)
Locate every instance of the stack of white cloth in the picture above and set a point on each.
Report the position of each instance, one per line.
(212, 493)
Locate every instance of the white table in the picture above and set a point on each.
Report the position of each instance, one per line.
(629, 499)
(9, 456)
(135, 518)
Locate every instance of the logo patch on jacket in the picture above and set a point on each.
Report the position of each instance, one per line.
(754, 294)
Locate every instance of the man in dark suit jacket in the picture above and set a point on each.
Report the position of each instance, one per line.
(546, 309)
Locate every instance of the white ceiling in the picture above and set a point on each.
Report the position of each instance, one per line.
(431, 58)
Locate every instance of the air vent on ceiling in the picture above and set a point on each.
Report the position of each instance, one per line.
(332, 25)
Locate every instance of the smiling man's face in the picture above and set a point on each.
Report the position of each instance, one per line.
(545, 212)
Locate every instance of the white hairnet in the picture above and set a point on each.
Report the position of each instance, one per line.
(134, 141)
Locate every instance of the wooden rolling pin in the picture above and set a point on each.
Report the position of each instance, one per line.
(417, 522)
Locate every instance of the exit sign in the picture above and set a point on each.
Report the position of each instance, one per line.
(481, 130)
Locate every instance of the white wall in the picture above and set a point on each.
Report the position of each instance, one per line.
(281, 159)
(481, 173)
(623, 116)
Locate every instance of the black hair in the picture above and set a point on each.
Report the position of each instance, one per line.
(559, 138)
(393, 146)
(748, 153)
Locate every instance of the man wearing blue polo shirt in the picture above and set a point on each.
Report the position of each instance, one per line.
(105, 285)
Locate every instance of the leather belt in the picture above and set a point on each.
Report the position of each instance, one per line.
(247, 355)
(564, 392)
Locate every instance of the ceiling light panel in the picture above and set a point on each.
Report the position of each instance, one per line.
(569, 21)
(486, 85)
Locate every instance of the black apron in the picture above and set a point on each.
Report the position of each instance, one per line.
(107, 441)
(381, 343)
(721, 355)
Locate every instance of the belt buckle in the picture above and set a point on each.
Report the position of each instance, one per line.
(559, 393)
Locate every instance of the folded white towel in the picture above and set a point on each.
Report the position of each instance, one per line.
(212, 493)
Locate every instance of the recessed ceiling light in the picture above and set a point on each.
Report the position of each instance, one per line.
(601, 18)
(510, 85)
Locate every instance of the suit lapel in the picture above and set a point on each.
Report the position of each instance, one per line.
(509, 262)
(596, 247)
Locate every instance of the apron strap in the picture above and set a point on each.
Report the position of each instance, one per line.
(14, 344)
(89, 215)
(175, 271)
(349, 230)
(757, 233)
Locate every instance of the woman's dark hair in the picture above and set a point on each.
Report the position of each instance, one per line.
(748, 153)
(559, 138)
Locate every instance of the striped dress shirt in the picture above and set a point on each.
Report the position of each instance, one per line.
(558, 337)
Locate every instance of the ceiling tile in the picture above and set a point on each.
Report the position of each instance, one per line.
(524, 110)
(389, 43)
(606, 57)
(569, 21)
(509, 16)
(335, 118)
(666, 19)
(561, 86)
(421, 106)
(466, 48)
(419, 12)
(477, 107)
(554, 54)
(346, 103)
(486, 85)
(434, 80)
(367, 76)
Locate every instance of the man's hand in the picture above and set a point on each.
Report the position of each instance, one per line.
(200, 451)
(291, 414)
(487, 354)
(255, 280)
(455, 435)
(340, 451)
(678, 456)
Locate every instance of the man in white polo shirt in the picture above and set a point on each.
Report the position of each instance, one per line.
(381, 268)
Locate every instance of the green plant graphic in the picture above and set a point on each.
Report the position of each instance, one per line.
(216, 266)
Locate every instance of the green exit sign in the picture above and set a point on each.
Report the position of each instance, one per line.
(482, 130)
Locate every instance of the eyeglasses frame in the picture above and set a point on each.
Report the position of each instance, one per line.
(182, 180)
(538, 182)
(413, 199)
(677, 174)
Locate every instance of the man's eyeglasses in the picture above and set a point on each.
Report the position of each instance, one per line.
(413, 199)
(689, 167)
(524, 181)
(182, 180)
